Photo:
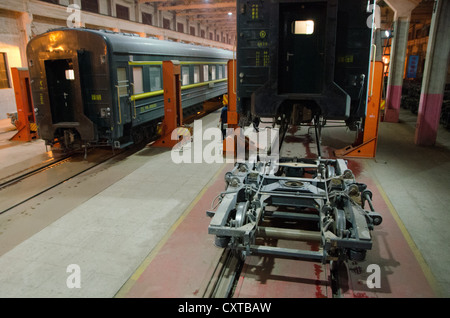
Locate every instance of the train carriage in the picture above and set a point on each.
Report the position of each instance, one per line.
(96, 87)
(303, 58)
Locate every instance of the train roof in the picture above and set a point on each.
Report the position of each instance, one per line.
(134, 44)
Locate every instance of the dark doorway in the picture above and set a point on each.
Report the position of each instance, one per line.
(60, 80)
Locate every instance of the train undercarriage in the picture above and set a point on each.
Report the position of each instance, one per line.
(308, 200)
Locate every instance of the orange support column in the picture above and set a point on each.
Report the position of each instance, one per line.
(232, 116)
(26, 121)
(173, 112)
(368, 147)
(236, 144)
(229, 143)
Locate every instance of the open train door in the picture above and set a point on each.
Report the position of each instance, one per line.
(64, 88)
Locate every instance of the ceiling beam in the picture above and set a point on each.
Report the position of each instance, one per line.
(204, 12)
(216, 18)
(198, 6)
(144, 1)
(219, 21)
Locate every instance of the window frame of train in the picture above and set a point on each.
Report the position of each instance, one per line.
(138, 80)
(4, 74)
(153, 69)
(185, 75)
(191, 73)
(122, 90)
(213, 70)
(146, 77)
(196, 74)
(205, 73)
(302, 27)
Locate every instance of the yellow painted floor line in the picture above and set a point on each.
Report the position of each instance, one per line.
(417, 254)
(124, 290)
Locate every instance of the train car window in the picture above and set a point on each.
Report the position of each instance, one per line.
(225, 68)
(205, 73)
(122, 81)
(303, 27)
(220, 71)
(155, 78)
(196, 74)
(185, 75)
(213, 72)
(138, 80)
(70, 75)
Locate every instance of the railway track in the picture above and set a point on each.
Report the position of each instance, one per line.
(19, 187)
(225, 276)
(233, 275)
(22, 175)
(26, 186)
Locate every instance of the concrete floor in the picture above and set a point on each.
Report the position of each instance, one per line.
(417, 182)
(109, 220)
(105, 221)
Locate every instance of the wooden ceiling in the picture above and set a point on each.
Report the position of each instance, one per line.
(212, 13)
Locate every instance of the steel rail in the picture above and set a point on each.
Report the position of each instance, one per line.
(63, 180)
(225, 276)
(23, 176)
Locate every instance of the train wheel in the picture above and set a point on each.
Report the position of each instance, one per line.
(138, 135)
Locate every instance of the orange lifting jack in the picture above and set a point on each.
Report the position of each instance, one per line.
(173, 112)
(365, 145)
(237, 140)
(232, 115)
(26, 120)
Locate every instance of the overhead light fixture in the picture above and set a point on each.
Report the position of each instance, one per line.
(230, 13)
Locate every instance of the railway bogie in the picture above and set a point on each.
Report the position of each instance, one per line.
(287, 203)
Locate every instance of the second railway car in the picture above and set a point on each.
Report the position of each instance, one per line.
(299, 59)
(96, 87)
